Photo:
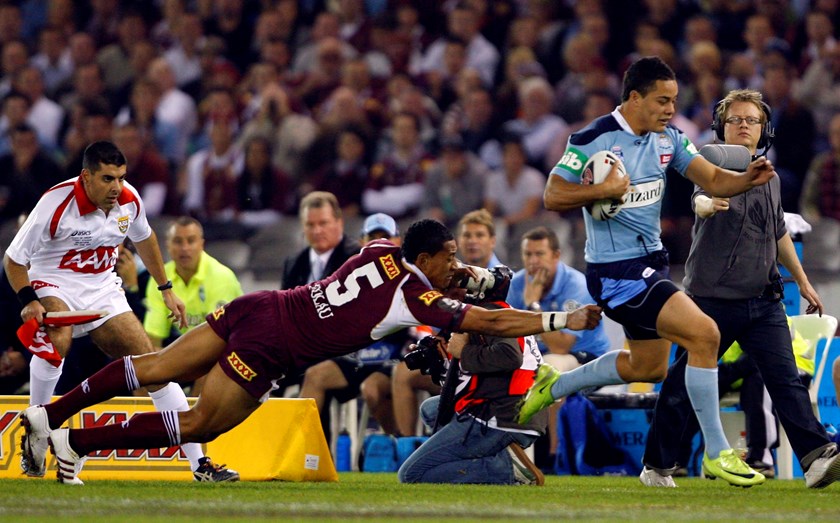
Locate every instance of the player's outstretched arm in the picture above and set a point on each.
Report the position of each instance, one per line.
(724, 183)
(514, 323)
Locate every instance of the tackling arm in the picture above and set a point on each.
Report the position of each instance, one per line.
(514, 323)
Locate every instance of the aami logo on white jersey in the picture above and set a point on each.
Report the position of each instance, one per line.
(90, 261)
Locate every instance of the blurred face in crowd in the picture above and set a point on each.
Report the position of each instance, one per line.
(743, 133)
(257, 156)
(129, 141)
(537, 255)
(476, 244)
(185, 243)
(834, 134)
(321, 227)
(405, 132)
(351, 148)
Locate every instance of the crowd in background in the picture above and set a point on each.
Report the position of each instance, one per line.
(232, 110)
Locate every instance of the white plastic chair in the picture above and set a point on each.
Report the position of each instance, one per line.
(814, 328)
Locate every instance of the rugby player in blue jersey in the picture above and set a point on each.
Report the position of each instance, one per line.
(627, 265)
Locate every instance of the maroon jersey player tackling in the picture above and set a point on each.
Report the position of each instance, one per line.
(249, 344)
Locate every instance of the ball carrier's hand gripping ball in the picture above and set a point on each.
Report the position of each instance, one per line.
(594, 172)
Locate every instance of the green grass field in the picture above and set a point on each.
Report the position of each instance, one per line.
(379, 497)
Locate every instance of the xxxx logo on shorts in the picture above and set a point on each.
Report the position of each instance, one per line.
(429, 296)
(122, 223)
(390, 266)
(239, 366)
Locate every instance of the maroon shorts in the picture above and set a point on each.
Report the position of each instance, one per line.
(254, 357)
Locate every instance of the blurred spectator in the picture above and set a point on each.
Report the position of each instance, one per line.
(586, 71)
(793, 149)
(598, 103)
(326, 27)
(163, 31)
(318, 83)
(131, 29)
(228, 21)
(514, 192)
(16, 106)
(45, 115)
(53, 59)
(146, 170)
(440, 83)
(537, 125)
(141, 110)
(405, 97)
(819, 30)
(473, 119)
(103, 21)
(174, 106)
(210, 176)
(463, 23)
(93, 123)
(520, 64)
(477, 239)
(355, 27)
(821, 190)
(819, 89)
(291, 133)
(263, 192)
(395, 185)
(27, 173)
(455, 185)
(346, 173)
(183, 55)
(87, 87)
(355, 75)
(13, 58)
(11, 23)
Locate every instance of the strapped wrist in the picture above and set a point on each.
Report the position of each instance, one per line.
(554, 321)
(165, 286)
(26, 295)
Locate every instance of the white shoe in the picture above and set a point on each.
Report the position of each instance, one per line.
(524, 470)
(825, 470)
(651, 478)
(65, 457)
(34, 443)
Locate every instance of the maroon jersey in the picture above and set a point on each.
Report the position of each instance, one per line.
(372, 295)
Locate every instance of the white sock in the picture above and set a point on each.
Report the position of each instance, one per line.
(43, 378)
(172, 397)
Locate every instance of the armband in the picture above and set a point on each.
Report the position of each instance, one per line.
(26, 295)
(554, 321)
(165, 286)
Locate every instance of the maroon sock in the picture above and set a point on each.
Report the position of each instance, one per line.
(143, 431)
(115, 379)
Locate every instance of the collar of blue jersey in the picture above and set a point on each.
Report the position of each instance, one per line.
(559, 280)
(622, 121)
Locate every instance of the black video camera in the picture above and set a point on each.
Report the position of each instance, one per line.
(426, 358)
(491, 285)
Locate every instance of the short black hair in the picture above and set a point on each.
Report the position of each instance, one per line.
(424, 236)
(643, 74)
(101, 153)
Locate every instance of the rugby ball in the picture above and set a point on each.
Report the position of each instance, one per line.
(594, 172)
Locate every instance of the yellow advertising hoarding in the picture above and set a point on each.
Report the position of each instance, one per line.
(282, 440)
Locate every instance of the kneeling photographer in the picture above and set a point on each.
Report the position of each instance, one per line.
(488, 375)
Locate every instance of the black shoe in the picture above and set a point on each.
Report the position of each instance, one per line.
(209, 471)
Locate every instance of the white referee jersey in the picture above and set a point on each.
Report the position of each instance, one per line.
(71, 245)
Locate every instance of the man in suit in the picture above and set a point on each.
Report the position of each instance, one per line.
(323, 227)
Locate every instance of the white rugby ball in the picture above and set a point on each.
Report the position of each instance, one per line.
(594, 172)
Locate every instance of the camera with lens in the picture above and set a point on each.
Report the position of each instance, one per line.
(426, 358)
(491, 285)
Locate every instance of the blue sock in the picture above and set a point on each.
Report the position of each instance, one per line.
(702, 387)
(596, 373)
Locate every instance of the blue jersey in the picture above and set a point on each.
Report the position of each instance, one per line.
(567, 293)
(635, 230)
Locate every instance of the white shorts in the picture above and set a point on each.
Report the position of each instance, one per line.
(109, 298)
